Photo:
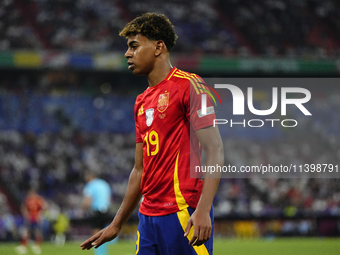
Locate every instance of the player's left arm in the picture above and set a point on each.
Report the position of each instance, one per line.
(86, 203)
(211, 143)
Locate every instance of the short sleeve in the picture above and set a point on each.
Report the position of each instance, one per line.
(138, 136)
(193, 102)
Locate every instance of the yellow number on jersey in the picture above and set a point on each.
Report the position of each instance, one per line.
(152, 139)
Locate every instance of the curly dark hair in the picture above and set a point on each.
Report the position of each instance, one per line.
(154, 27)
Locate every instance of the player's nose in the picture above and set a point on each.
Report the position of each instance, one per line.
(128, 53)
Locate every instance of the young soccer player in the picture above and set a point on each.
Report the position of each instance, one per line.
(32, 210)
(175, 216)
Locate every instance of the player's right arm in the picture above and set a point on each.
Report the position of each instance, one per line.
(131, 199)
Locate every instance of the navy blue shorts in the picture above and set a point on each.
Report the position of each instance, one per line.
(32, 226)
(164, 235)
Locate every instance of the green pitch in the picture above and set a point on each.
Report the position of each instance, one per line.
(279, 246)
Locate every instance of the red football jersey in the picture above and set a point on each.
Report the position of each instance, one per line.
(34, 205)
(164, 119)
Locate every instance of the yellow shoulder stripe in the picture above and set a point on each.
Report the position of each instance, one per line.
(194, 80)
(186, 74)
(174, 71)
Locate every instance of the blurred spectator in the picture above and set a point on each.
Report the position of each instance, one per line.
(286, 28)
(80, 25)
(8, 228)
(9, 232)
(15, 33)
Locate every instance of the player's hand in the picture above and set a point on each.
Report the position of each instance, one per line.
(105, 235)
(202, 228)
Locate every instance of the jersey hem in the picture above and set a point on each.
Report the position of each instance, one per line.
(161, 213)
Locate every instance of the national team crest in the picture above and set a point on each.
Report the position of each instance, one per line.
(149, 116)
(163, 102)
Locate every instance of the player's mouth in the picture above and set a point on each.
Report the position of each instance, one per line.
(131, 65)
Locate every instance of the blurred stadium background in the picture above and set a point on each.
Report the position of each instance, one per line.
(67, 98)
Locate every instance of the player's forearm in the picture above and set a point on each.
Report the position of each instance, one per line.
(208, 193)
(131, 199)
(215, 156)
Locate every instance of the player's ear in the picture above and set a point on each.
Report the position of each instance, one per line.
(160, 47)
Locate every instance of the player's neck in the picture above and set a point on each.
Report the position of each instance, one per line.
(159, 73)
